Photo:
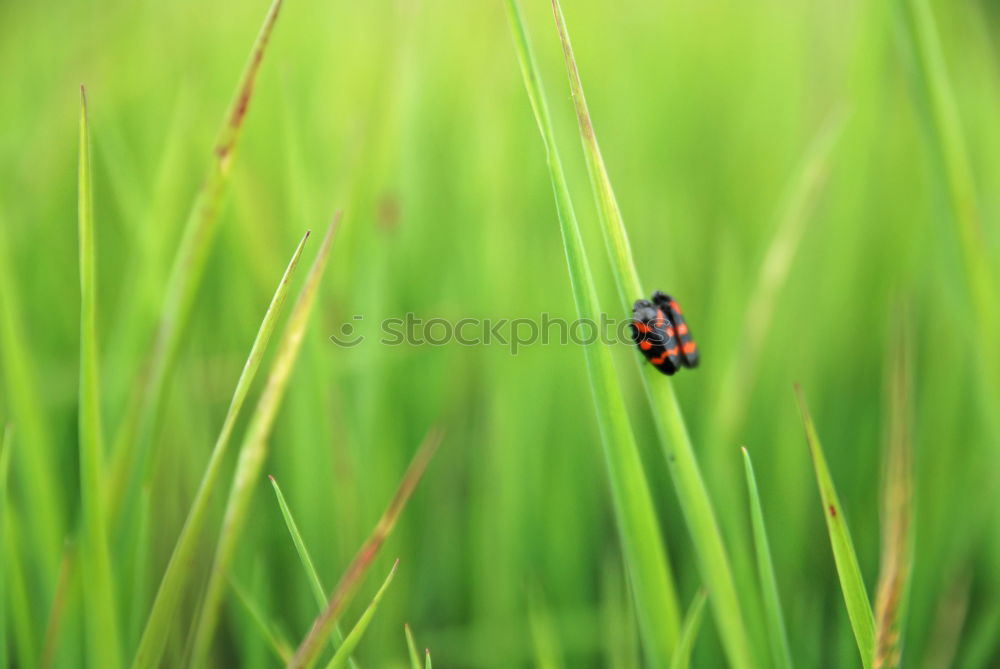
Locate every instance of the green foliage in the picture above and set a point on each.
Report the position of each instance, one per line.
(787, 170)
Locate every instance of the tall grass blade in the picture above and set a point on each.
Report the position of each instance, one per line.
(797, 205)
(99, 600)
(319, 592)
(356, 570)
(544, 637)
(859, 609)
(254, 449)
(34, 466)
(427, 659)
(134, 438)
(695, 503)
(896, 565)
(777, 635)
(168, 596)
(949, 140)
(642, 542)
(342, 655)
(689, 632)
(8, 434)
(25, 634)
(411, 647)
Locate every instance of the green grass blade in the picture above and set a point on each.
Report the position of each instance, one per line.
(949, 138)
(356, 570)
(859, 609)
(34, 466)
(25, 635)
(642, 542)
(277, 645)
(411, 647)
(343, 653)
(254, 449)
(134, 438)
(695, 503)
(319, 592)
(795, 211)
(544, 636)
(781, 656)
(99, 600)
(896, 565)
(427, 659)
(8, 434)
(168, 596)
(689, 632)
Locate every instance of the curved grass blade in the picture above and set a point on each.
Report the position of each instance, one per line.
(98, 594)
(695, 503)
(777, 635)
(319, 592)
(642, 542)
(356, 570)
(896, 567)
(859, 609)
(134, 438)
(689, 633)
(354, 636)
(168, 596)
(411, 647)
(254, 449)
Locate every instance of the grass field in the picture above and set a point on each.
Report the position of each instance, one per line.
(814, 183)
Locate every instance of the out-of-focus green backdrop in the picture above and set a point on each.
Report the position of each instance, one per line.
(412, 118)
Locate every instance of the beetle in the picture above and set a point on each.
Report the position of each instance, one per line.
(662, 334)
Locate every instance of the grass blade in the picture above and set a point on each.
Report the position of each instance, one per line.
(35, 467)
(354, 636)
(689, 633)
(642, 543)
(797, 205)
(778, 636)
(99, 601)
(319, 592)
(411, 647)
(695, 503)
(161, 617)
(25, 640)
(8, 434)
(356, 570)
(427, 659)
(896, 568)
(134, 439)
(948, 136)
(274, 642)
(859, 609)
(253, 450)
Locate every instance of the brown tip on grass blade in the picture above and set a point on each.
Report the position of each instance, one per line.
(356, 570)
(238, 110)
(859, 609)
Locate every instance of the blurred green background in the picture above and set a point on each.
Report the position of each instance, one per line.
(411, 117)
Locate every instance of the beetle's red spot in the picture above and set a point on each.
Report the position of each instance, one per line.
(833, 511)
